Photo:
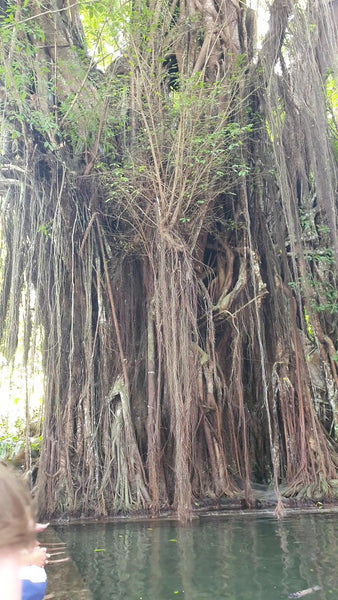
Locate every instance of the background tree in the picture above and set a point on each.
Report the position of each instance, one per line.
(169, 220)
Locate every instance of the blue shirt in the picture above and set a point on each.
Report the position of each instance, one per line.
(33, 583)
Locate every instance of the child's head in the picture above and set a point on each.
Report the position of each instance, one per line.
(16, 515)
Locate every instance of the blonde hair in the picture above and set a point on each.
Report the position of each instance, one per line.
(16, 514)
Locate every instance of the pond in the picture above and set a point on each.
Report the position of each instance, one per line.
(233, 557)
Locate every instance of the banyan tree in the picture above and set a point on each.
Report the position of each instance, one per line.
(169, 242)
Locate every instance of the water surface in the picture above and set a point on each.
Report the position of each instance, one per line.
(235, 557)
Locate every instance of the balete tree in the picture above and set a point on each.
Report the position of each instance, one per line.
(169, 227)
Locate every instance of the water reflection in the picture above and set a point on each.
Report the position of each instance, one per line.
(230, 558)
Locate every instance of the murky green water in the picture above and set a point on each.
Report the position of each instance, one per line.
(225, 558)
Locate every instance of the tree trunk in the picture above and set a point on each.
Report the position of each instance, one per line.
(174, 218)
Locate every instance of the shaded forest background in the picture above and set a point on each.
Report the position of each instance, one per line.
(169, 230)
